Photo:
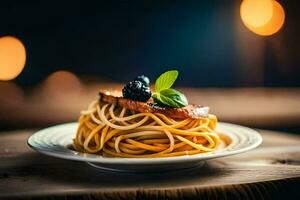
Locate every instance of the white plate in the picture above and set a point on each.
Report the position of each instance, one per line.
(57, 140)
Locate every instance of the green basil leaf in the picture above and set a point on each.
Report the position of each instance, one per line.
(177, 97)
(170, 97)
(162, 100)
(166, 80)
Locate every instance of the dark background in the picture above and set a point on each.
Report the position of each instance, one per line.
(205, 40)
(106, 42)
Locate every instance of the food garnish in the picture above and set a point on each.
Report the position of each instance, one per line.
(144, 79)
(165, 95)
(137, 90)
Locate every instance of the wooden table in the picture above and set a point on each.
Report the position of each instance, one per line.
(271, 171)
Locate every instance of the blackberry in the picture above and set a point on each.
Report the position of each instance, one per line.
(137, 91)
(144, 79)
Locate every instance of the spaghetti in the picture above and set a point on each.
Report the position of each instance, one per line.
(114, 131)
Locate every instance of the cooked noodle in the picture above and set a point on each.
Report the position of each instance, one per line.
(113, 131)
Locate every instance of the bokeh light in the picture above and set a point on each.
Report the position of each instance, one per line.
(61, 85)
(12, 57)
(256, 13)
(10, 93)
(272, 26)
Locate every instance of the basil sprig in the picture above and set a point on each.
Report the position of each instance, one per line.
(165, 95)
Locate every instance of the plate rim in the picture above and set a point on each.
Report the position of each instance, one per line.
(149, 161)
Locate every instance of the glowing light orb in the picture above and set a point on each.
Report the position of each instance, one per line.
(12, 57)
(270, 27)
(256, 12)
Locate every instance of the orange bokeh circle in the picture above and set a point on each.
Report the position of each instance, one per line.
(273, 25)
(256, 13)
(12, 57)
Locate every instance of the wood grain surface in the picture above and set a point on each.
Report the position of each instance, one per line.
(272, 171)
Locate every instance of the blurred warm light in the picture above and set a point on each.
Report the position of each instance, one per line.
(12, 57)
(265, 28)
(274, 24)
(10, 93)
(256, 12)
(61, 85)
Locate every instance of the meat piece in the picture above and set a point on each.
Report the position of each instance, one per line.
(189, 111)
